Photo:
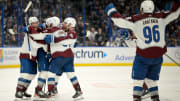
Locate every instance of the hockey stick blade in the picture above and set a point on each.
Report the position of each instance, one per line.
(28, 6)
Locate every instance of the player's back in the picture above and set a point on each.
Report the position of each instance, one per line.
(149, 28)
(150, 32)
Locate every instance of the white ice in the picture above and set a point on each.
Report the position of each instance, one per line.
(98, 84)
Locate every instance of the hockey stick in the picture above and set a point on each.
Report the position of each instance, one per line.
(172, 60)
(26, 23)
(28, 6)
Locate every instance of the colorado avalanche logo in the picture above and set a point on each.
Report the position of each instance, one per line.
(177, 54)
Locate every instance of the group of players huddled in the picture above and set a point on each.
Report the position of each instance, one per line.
(47, 48)
(51, 48)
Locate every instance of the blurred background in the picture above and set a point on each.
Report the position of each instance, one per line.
(94, 27)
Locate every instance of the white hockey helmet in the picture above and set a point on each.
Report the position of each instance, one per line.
(147, 6)
(56, 22)
(33, 19)
(71, 21)
(48, 22)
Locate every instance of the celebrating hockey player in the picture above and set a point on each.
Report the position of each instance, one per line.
(29, 65)
(62, 56)
(52, 24)
(149, 28)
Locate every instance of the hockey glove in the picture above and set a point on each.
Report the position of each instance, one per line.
(110, 9)
(48, 39)
(75, 45)
(43, 25)
(26, 29)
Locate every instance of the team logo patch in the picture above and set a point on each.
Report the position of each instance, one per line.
(1, 55)
(71, 35)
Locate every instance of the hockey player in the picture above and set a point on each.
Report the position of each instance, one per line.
(56, 19)
(52, 23)
(63, 57)
(149, 28)
(43, 58)
(43, 67)
(28, 65)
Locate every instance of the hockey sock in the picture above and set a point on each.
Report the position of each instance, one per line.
(51, 84)
(137, 89)
(74, 81)
(41, 83)
(77, 86)
(42, 80)
(24, 81)
(23, 84)
(153, 91)
(56, 80)
(153, 87)
(51, 81)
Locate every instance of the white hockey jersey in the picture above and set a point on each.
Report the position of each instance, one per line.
(149, 29)
(35, 44)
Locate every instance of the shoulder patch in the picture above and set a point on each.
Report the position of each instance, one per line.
(71, 35)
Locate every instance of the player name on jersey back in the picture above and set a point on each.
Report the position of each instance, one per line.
(150, 20)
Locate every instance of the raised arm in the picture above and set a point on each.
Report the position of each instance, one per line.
(118, 19)
(173, 13)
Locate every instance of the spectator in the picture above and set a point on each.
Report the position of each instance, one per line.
(92, 35)
(35, 10)
(80, 30)
(10, 33)
(100, 38)
(110, 43)
(178, 32)
(119, 41)
(178, 36)
(171, 42)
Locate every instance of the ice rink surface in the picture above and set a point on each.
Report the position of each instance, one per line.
(98, 84)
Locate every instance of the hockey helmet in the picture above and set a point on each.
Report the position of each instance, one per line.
(71, 21)
(147, 6)
(56, 21)
(32, 20)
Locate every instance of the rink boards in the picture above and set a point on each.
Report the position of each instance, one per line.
(92, 56)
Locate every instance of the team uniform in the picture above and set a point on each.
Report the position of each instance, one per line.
(29, 64)
(149, 28)
(56, 78)
(62, 59)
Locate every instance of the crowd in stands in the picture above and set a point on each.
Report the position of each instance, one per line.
(97, 24)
